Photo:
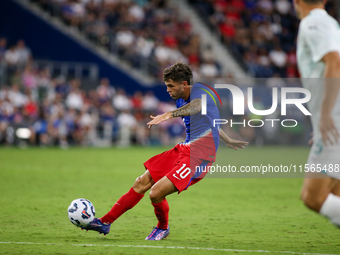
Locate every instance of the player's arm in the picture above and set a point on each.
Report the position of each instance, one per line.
(189, 109)
(230, 142)
(332, 87)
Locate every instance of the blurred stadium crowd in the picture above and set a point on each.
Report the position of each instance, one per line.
(56, 111)
(148, 34)
(260, 33)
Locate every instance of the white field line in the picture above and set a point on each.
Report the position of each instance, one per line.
(172, 247)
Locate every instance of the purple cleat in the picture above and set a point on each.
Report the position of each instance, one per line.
(158, 234)
(98, 226)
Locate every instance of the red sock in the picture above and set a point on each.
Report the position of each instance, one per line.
(162, 213)
(126, 202)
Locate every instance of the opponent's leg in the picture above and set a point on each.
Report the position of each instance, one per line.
(157, 195)
(317, 194)
(129, 200)
(336, 189)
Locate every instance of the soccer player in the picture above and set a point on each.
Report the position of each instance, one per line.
(174, 170)
(318, 49)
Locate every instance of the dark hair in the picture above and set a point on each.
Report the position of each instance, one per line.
(313, 1)
(178, 72)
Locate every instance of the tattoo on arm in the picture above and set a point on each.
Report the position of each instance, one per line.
(189, 109)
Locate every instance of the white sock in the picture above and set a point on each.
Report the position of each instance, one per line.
(331, 209)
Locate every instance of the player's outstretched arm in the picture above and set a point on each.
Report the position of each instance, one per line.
(327, 127)
(232, 143)
(189, 109)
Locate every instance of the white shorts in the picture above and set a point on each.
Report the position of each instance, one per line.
(326, 159)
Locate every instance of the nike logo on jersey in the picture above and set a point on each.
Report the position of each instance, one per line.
(313, 27)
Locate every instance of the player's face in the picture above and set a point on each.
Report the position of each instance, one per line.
(175, 89)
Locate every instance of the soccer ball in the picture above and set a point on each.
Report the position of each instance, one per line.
(81, 212)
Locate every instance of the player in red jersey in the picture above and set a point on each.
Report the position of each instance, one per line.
(174, 170)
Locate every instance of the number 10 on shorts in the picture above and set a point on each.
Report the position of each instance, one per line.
(182, 172)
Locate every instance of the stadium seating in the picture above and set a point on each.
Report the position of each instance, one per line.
(58, 111)
(148, 34)
(260, 34)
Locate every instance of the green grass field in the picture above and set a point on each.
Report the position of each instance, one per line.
(230, 215)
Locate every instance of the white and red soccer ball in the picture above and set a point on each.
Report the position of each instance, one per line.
(81, 212)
